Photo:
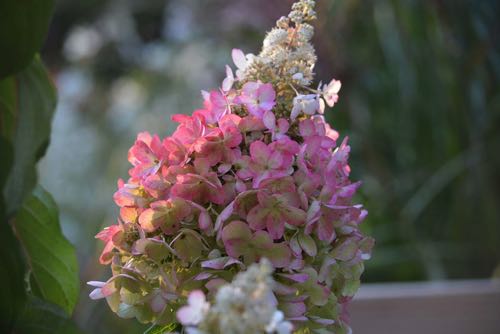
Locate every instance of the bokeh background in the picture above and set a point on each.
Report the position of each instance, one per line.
(420, 102)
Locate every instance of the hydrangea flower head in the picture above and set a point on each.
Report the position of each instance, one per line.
(255, 174)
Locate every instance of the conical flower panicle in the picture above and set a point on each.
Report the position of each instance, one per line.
(287, 58)
(255, 174)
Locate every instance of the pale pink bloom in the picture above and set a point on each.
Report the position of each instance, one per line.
(156, 185)
(220, 144)
(130, 194)
(330, 92)
(280, 131)
(193, 313)
(317, 126)
(257, 98)
(273, 212)
(264, 163)
(287, 147)
(112, 236)
(165, 214)
(338, 161)
(269, 120)
(204, 220)
(177, 152)
(189, 130)
(216, 105)
(129, 214)
(251, 123)
(332, 133)
(313, 156)
(146, 155)
(231, 133)
(200, 186)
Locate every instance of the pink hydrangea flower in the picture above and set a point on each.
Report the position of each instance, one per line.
(200, 185)
(239, 241)
(267, 161)
(258, 98)
(164, 214)
(273, 212)
(330, 92)
(240, 180)
(112, 236)
(147, 155)
(217, 104)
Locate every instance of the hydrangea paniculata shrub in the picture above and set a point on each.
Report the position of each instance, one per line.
(256, 173)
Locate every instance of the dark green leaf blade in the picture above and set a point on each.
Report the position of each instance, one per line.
(23, 26)
(36, 101)
(12, 271)
(42, 317)
(8, 107)
(51, 257)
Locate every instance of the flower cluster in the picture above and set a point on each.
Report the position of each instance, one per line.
(256, 173)
(247, 305)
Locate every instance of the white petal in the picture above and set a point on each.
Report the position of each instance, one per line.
(295, 111)
(97, 284)
(239, 59)
(96, 294)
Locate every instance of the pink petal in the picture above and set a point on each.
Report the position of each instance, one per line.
(224, 215)
(204, 221)
(269, 120)
(149, 220)
(260, 152)
(293, 310)
(326, 231)
(275, 226)
(267, 93)
(301, 278)
(256, 218)
(217, 263)
(235, 237)
(283, 125)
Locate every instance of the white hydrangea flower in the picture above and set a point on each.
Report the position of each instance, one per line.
(308, 104)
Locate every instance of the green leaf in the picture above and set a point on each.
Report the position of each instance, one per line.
(23, 26)
(12, 271)
(12, 267)
(42, 317)
(7, 107)
(50, 256)
(32, 111)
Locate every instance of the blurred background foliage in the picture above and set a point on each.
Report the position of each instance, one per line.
(420, 102)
